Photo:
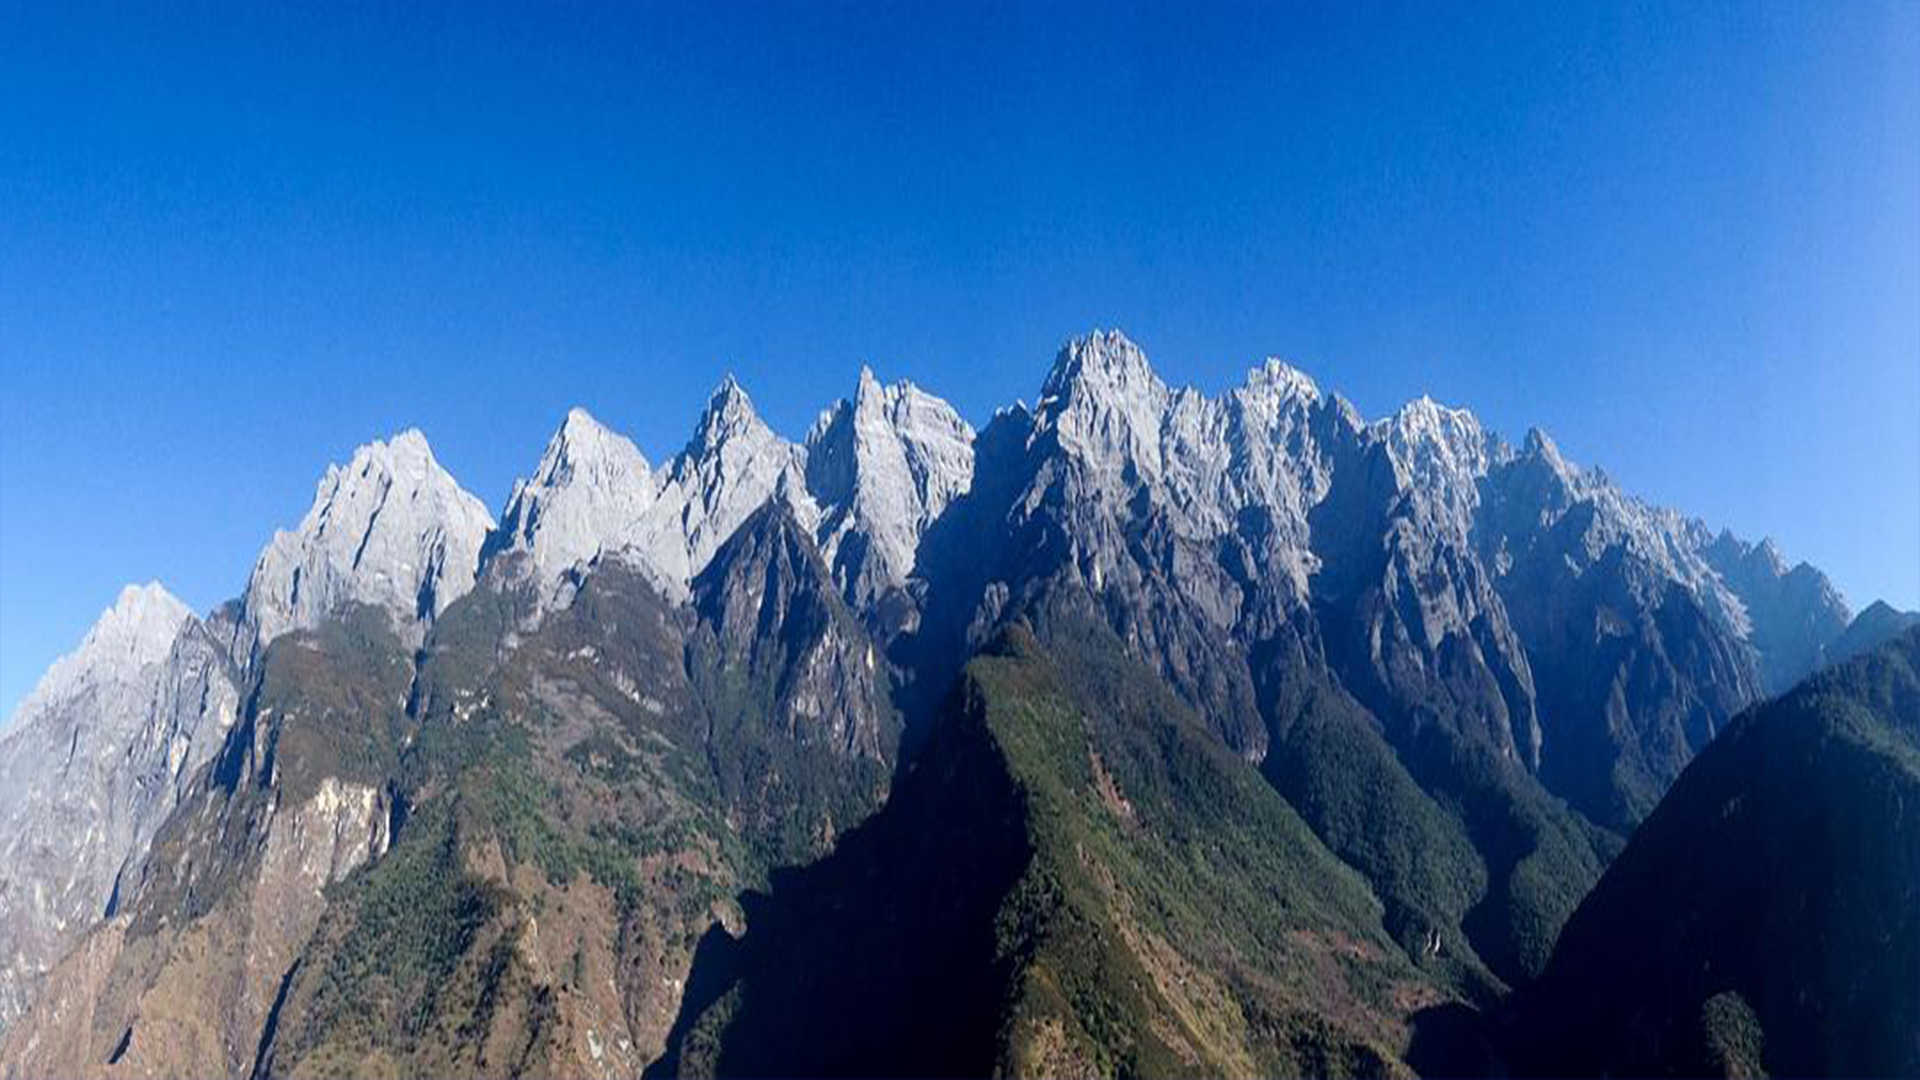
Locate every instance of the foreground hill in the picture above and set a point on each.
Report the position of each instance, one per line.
(1074, 879)
(1766, 917)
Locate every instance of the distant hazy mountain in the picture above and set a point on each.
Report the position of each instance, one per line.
(1158, 732)
(1879, 623)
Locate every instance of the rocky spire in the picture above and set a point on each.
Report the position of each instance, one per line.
(731, 466)
(591, 492)
(1439, 454)
(135, 633)
(882, 467)
(728, 418)
(1103, 402)
(391, 529)
(1276, 382)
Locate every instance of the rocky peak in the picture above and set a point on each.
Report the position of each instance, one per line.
(729, 416)
(1428, 439)
(585, 448)
(1097, 360)
(1275, 457)
(1788, 615)
(91, 765)
(1540, 445)
(732, 465)
(1277, 381)
(137, 632)
(591, 492)
(883, 466)
(1103, 402)
(391, 529)
(1439, 455)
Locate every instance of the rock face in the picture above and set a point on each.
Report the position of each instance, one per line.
(883, 467)
(779, 625)
(1792, 613)
(733, 464)
(1646, 633)
(871, 476)
(93, 762)
(593, 490)
(594, 495)
(390, 529)
(183, 976)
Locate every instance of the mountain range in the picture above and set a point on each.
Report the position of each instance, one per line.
(1139, 732)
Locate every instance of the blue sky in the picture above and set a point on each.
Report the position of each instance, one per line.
(237, 241)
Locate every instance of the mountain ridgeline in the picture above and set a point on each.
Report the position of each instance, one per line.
(1141, 732)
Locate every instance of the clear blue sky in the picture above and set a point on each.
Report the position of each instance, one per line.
(235, 242)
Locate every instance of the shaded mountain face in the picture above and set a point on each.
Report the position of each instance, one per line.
(1634, 675)
(779, 630)
(1879, 623)
(435, 796)
(1075, 878)
(1766, 917)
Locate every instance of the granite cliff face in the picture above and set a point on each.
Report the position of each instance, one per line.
(592, 489)
(390, 529)
(872, 475)
(882, 468)
(95, 759)
(436, 795)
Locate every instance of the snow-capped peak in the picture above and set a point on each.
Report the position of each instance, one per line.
(391, 528)
(1438, 452)
(1103, 402)
(1282, 380)
(137, 631)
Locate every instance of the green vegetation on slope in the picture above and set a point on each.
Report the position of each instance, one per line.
(1073, 877)
(1767, 914)
(576, 805)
